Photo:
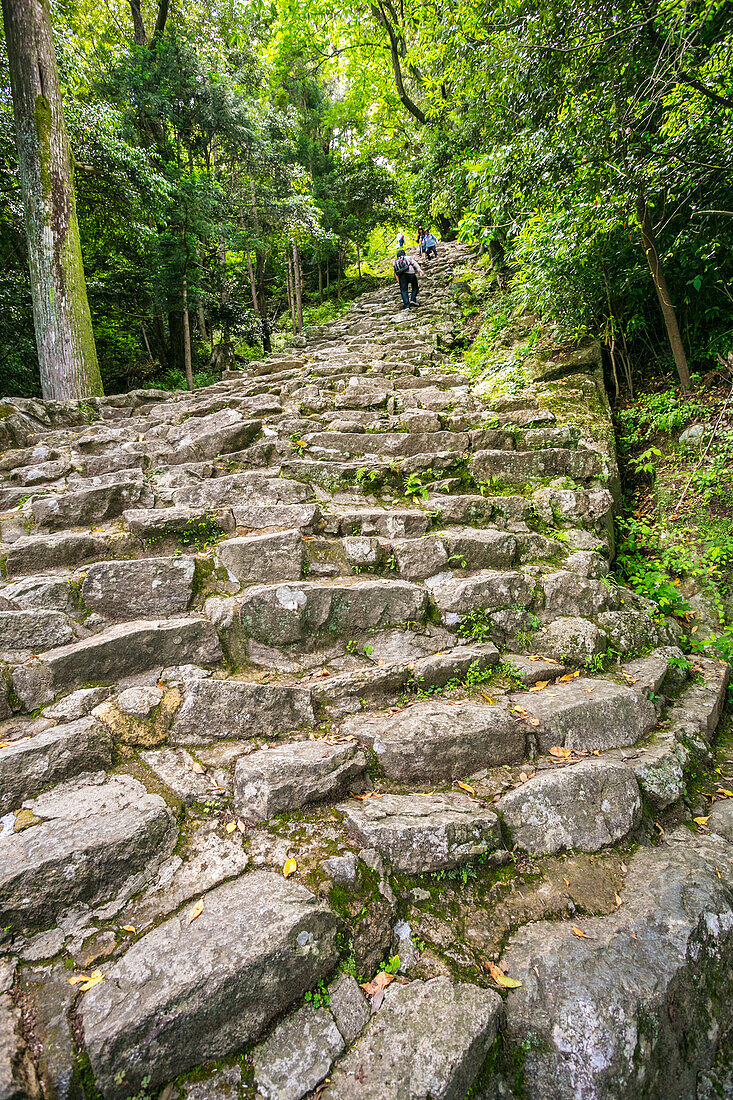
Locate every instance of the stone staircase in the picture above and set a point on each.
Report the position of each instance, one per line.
(323, 665)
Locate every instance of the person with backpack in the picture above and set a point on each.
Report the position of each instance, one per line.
(401, 240)
(406, 271)
(420, 239)
(430, 244)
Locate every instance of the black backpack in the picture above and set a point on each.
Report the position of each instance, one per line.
(402, 265)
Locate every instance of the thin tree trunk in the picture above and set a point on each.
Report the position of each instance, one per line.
(145, 340)
(67, 355)
(328, 277)
(262, 299)
(660, 285)
(358, 255)
(298, 280)
(252, 283)
(201, 316)
(159, 325)
(291, 294)
(320, 281)
(186, 338)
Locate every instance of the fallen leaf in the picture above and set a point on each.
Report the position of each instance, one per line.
(659, 828)
(569, 676)
(196, 767)
(87, 981)
(500, 977)
(289, 868)
(724, 792)
(619, 901)
(195, 911)
(701, 820)
(466, 787)
(381, 981)
(240, 824)
(580, 933)
(486, 697)
(540, 685)
(129, 928)
(523, 777)
(17, 741)
(560, 752)
(231, 826)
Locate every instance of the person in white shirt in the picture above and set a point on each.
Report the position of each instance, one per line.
(406, 271)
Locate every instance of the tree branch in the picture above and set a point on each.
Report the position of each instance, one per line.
(722, 100)
(412, 107)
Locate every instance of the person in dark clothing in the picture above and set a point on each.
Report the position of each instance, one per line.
(430, 245)
(406, 271)
(420, 239)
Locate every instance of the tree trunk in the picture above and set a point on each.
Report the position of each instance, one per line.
(320, 281)
(291, 294)
(187, 338)
(358, 255)
(660, 285)
(252, 283)
(67, 355)
(298, 280)
(262, 301)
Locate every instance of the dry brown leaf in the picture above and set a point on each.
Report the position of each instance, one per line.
(381, 981)
(523, 777)
(500, 977)
(619, 900)
(560, 752)
(580, 933)
(289, 868)
(568, 676)
(87, 981)
(466, 787)
(231, 826)
(240, 824)
(195, 911)
(129, 928)
(701, 820)
(724, 792)
(487, 698)
(196, 767)
(540, 685)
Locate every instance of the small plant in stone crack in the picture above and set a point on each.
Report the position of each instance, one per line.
(365, 476)
(318, 997)
(457, 561)
(477, 625)
(298, 445)
(413, 487)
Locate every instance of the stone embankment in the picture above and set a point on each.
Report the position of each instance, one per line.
(324, 665)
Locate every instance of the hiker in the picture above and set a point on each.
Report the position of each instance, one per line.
(420, 239)
(406, 271)
(430, 244)
(401, 240)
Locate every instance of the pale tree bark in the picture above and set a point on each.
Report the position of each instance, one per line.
(187, 338)
(660, 285)
(67, 355)
(298, 280)
(291, 292)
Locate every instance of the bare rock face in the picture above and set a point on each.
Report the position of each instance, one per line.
(419, 834)
(427, 1042)
(634, 1007)
(128, 589)
(191, 993)
(30, 764)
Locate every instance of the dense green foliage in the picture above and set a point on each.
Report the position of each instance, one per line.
(210, 142)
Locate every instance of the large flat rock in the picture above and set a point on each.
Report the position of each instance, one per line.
(435, 740)
(130, 648)
(418, 834)
(636, 1007)
(587, 805)
(281, 614)
(30, 764)
(588, 714)
(427, 1042)
(129, 589)
(275, 780)
(215, 709)
(191, 993)
(84, 840)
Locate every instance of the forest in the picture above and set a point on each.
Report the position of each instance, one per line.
(241, 168)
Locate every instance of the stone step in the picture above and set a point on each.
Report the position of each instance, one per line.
(123, 590)
(439, 741)
(263, 558)
(418, 834)
(213, 710)
(198, 991)
(521, 467)
(31, 763)
(38, 553)
(584, 805)
(89, 502)
(397, 444)
(33, 631)
(78, 843)
(285, 777)
(430, 1039)
(283, 614)
(119, 651)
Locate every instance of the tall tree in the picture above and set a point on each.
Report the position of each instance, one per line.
(67, 353)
